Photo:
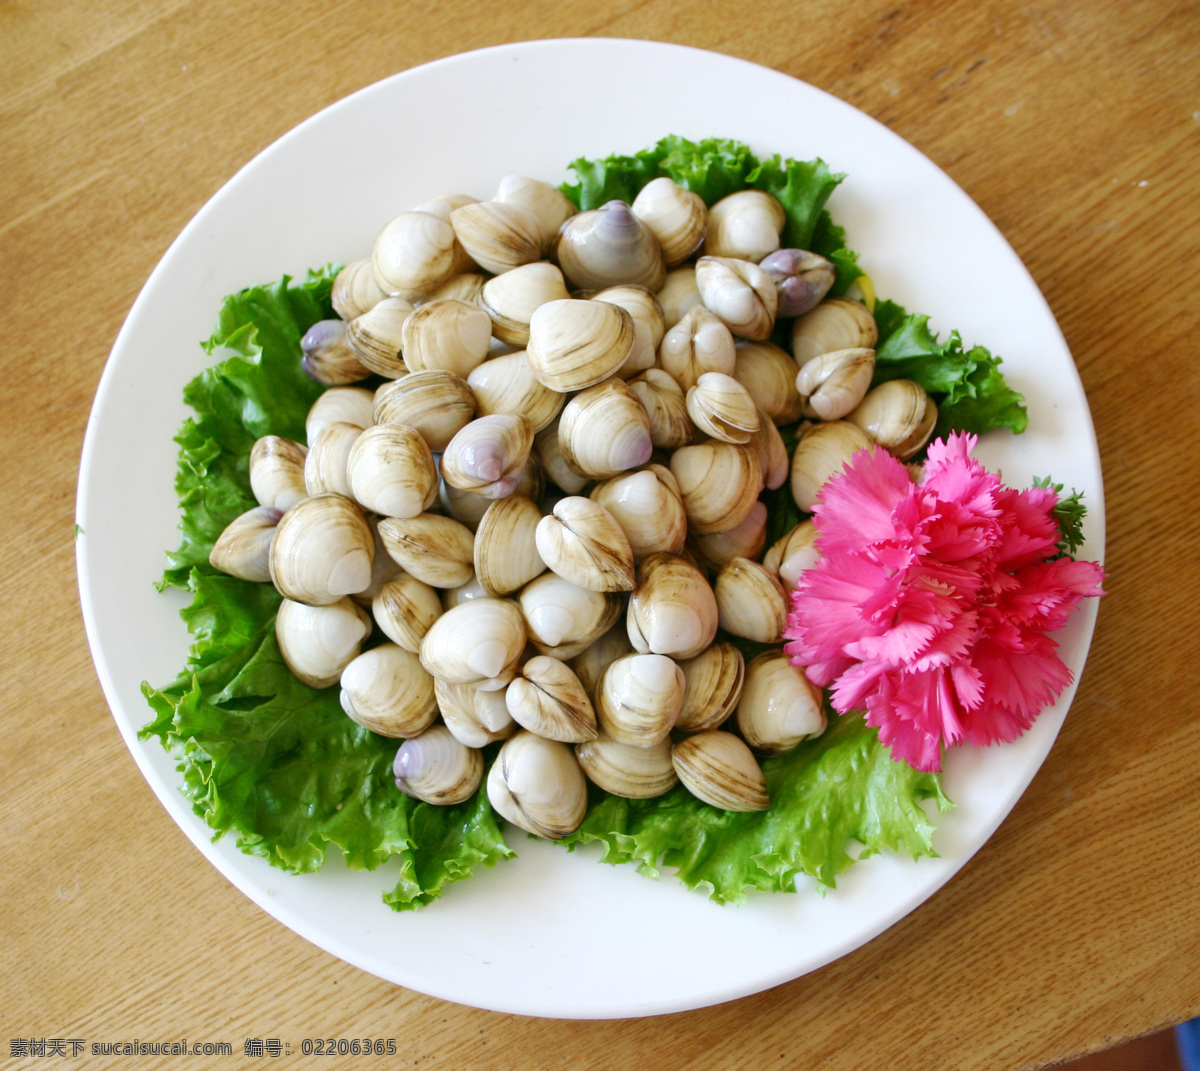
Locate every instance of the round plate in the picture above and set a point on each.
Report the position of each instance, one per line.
(553, 933)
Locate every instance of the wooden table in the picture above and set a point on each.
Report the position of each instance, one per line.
(1076, 127)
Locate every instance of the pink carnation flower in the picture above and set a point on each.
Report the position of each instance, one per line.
(930, 606)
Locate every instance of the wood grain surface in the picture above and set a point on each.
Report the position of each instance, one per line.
(1074, 125)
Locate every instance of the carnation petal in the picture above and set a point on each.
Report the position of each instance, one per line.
(856, 506)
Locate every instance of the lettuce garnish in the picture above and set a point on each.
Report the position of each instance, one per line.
(281, 767)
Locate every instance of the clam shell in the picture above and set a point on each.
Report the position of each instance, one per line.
(355, 289)
(386, 690)
(243, 549)
(740, 293)
(511, 299)
(465, 287)
(751, 602)
(772, 453)
(822, 451)
(678, 294)
(326, 467)
(323, 549)
(413, 253)
(377, 336)
(648, 507)
(638, 699)
(722, 408)
(769, 374)
(488, 454)
(344, 405)
(506, 384)
(591, 662)
(435, 549)
(604, 430)
(675, 216)
(574, 344)
(549, 452)
(745, 541)
(497, 236)
(649, 325)
(898, 415)
(405, 608)
(832, 384)
(277, 471)
(779, 707)
(624, 770)
(802, 279)
(537, 784)
(327, 356)
(672, 610)
(720, 769)
(318, 642)
(506, 556)
(609, 246)
(835, 324)
(562, 618)
(437, 403)
(719, 483)
(391, 470)
(475, 716)
(746, 224)
(582, 542)
(700, 342)
(666, 408)
(446, 334)
(547, 698)
(479, 641)
(714, 680)
(436, 768)
(791, 555)
(549, 206)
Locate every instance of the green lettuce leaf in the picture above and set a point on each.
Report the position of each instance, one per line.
(263, 756)
(967, 384)
(841, 788)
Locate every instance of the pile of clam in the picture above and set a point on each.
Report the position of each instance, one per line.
(550, 507)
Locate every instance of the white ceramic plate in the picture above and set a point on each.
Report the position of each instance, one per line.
(553, 933)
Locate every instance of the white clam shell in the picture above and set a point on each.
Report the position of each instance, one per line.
(318, 642)
(438, 550)
(506, 384)
(649, 325)
(678, 294)
(745, 224)
(437, 403)
(345, 405)
(609, 246)
(604, 430)
(377, 336)
(323, 549)
(666, 408)
(475, 716)
(391, 471)
(405, 608)
(740, 293)
(386, 690)
(779, 706)
(477, 641)
(575, 343)
(547, 698)
(751, 601)
(719, 483)
(537, 784)
(488, 455)
(835, 324)
(898, 415)
(511, 299)
(720, 769)
(437, 768)
(648, 507)
(832, 384)
(562, 618)
(722, 408)
(675, 216)
(413, 253)
(822, 451)
(243, 549)
(548, 205)
(639, 697)
(355, 289)
(582, 542)
(497, 236)
(506, 556)
(769, 374)
(625, 770)
(744, 541)
(715, 679)
(277, 471)
(326, 467)
(700, 342)
(446, 334)
(672, 610)
(792, 554)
